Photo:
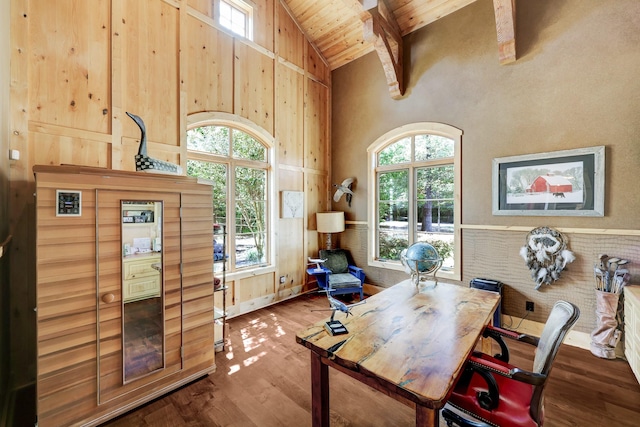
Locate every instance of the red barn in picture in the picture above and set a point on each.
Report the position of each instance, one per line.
(550, 184)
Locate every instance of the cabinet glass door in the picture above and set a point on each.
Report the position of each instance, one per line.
(143, 319)
(139, 290)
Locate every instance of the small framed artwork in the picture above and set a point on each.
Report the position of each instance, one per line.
(292, 204)
(559, 183)
(68, 203)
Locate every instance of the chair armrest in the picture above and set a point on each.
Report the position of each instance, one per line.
(322, 272)
(497, 334)
(357, 271)
(491, 331)
(481, 364)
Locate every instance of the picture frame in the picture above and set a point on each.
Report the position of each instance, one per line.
(292, 204)
(559, 183)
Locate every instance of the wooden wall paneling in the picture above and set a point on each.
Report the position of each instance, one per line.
(57, 150)
(290, 261)
(203, 6)
(253, 287)
(22, 340)
(316, 127)
(290, 114)
(209, 74)
(69, 64)
(290, 40)
(183, 53)
(253, 86)
(263, 22)
(150, 57)
(316, 200)
(316, 65)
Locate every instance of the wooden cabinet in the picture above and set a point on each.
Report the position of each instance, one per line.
(87, 289)
(632, 327)
(141, 277)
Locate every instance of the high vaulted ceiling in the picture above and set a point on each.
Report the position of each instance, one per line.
(344, 30)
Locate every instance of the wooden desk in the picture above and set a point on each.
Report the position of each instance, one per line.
(409, 343)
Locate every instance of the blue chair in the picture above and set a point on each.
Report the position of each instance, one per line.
(336, 274)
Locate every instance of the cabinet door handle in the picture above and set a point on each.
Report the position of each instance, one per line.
(108, 298)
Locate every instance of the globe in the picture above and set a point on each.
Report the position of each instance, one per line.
(419, 258)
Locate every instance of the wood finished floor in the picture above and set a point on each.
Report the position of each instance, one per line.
(262, 379)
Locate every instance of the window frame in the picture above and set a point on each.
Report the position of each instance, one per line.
(410, 130)
(261, 135)
(245, 7)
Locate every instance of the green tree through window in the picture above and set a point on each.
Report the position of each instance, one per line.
(236, 164)
(415, 173)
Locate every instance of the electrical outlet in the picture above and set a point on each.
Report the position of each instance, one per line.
(282, 279)
(529, 305)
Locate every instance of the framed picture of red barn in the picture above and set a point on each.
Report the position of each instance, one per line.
(559, 183)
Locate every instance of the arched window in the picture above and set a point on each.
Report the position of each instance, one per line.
(415, 171)
(235, 156)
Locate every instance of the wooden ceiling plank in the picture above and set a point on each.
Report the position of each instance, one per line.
(505, 11)
(426, 13)
(348, 55)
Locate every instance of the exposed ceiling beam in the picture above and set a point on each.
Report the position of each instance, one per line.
(381, 30)
(505, 11)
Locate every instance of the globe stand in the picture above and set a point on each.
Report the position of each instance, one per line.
(418, 276)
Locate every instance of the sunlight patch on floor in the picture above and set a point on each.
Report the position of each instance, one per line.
(253, 359)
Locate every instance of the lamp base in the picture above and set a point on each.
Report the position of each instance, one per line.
(328, 241)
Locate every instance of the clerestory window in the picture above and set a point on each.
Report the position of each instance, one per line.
(236, 16)
(415, 171)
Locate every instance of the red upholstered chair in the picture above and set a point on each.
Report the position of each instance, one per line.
(491, 392)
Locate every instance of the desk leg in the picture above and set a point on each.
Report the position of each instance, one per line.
(319, 392)
(426, 417)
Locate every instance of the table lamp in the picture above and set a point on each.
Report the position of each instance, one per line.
(329, 223)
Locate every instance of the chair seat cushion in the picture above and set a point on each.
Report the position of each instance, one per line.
(515, 399)
(343, 280)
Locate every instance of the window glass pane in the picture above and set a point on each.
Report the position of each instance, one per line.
(217, 173)
(209, 139)
(238, 21)
(393, 211)
(233, 18)
(246, 147)
(225, 14)
(398, 152)
(434, 210)
(251, 214)
(433, 147)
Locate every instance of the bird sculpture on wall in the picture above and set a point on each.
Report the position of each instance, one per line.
(344, 188)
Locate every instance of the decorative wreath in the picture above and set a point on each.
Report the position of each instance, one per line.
(546, 255)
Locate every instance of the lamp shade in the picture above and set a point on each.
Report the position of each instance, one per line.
(330, 222)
